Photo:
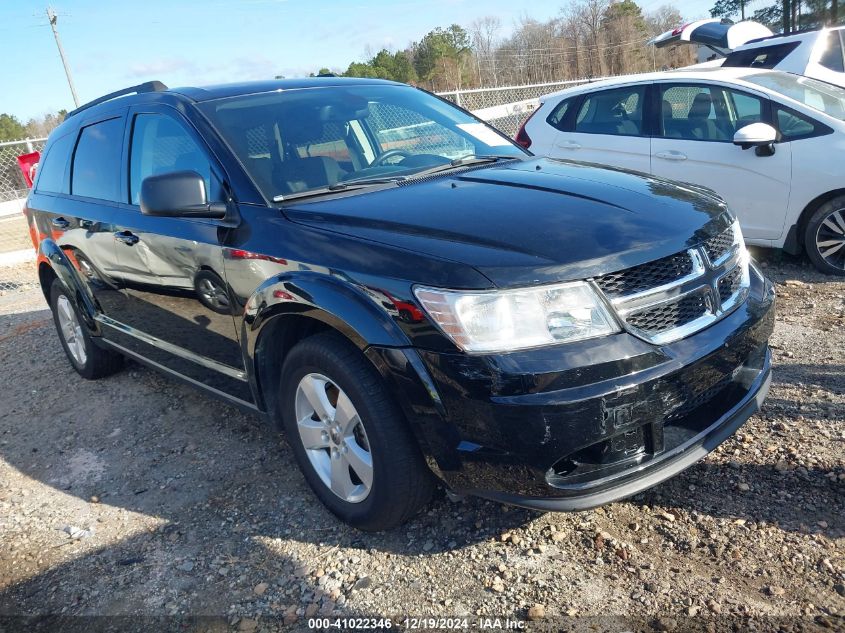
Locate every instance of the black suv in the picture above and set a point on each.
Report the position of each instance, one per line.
(403, 290)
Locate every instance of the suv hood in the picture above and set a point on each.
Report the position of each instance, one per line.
(528, 221)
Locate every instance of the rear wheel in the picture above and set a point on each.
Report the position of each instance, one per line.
(824, 237)
(88, 360)
(350, 439)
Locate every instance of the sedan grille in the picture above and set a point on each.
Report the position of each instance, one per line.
(670, 298)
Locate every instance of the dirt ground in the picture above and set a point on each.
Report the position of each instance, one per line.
(137, 496)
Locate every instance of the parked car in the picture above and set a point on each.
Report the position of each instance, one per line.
(444, 307)
(763, 140)
(748, 44)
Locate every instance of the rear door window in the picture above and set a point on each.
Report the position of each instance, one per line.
(616, 112)
(53, 167)
(96, 162)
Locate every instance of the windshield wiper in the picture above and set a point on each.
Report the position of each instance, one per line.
(348, 185)
(472, 159)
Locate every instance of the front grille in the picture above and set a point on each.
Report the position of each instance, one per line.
(673, 297)
(730, 284)
(667, 316)
(719, 246)
(647, 276)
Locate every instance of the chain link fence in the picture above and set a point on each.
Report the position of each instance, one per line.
(17, 271)
(507, 108)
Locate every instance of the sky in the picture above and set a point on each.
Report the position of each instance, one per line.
(114, 44)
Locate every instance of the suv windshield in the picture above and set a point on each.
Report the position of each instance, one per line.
(813, 93)
(316, 140)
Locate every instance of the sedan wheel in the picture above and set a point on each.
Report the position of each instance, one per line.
(830, 239)
(334, 438)
(824, 237)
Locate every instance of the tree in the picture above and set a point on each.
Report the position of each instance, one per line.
(384, 65)
(441, 57)
(728, 9)
(484, 32)
(11, 129)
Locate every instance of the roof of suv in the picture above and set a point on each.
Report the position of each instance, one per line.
(220, 91)
(154, 90)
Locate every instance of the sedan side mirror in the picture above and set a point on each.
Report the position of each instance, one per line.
(755, 135)
(179, 194)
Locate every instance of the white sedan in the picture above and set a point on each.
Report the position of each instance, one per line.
(772, 144)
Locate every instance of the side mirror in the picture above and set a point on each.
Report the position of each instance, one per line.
(179, 194)
(755, 135)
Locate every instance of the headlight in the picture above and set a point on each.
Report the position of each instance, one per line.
(507, 320)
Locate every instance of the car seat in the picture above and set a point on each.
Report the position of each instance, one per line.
(300, 173)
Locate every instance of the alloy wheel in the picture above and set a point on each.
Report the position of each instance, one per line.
(334, 438)
(830, 239)
(213, 294)
(71, 330)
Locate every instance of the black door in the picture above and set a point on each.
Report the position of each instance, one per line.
(80, 185)
(178, 310)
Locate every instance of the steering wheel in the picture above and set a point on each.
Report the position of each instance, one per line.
(378, 162)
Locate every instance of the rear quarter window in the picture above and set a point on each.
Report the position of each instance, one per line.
(96, 162)
(557, 118)
(53, 167)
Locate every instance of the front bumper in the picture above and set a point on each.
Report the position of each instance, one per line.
(579, 425)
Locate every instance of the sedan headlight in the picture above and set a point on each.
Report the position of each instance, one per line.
(508, 320)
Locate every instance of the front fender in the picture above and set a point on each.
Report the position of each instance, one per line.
(338, 303)
(51, 254)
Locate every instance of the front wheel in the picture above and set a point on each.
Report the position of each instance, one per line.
(824, 237)
(350, 439)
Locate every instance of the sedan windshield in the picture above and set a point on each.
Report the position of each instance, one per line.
(307, 142)
(813, 93)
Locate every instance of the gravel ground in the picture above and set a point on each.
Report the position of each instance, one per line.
(139, 496)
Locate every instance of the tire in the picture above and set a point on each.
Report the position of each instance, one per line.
(399, 482)
(89, 360)
(212, 292)
(824, 237)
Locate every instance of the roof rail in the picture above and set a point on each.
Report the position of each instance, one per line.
(150, 86)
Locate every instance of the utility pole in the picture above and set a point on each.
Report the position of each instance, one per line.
(51, 16)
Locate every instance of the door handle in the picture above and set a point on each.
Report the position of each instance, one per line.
(60, 223)
(569, 145)
(127, 237)
(671, 155)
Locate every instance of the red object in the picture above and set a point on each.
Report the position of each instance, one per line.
(236, 253)
(28, 164)
(522, 137)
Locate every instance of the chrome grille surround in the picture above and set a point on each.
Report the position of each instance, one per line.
(710, 281)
